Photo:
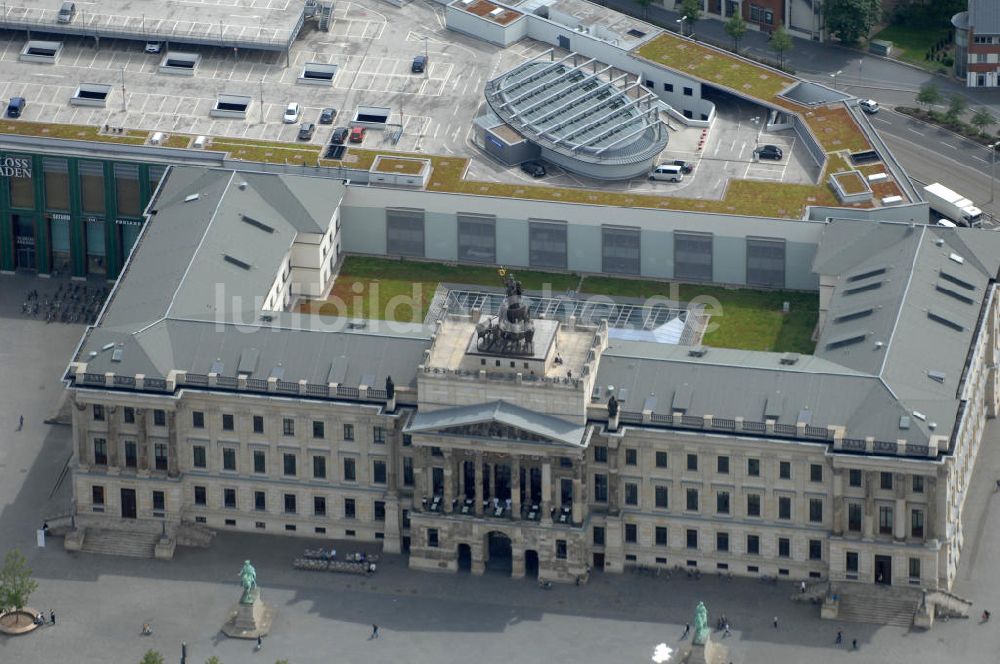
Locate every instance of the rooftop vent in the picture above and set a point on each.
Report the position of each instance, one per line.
(955, 257)
(947, 322)
(932, 425)
(789, 359)
(904, 421)
(955, 294)
(236, 261)
(920, 416)
(957, 281)
(243, 185)
(697, 351)
(854, 315)
(217, 366)
(939, 241)
(875, 285)
(257, 224)
(846, 341)
(635, 33)
(497, 11)
(938, 376)
(192, 197)
(866, 275)
(116, 355)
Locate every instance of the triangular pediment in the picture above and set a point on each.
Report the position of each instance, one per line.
(498, 420)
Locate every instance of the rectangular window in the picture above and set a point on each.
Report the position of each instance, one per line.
(598, 535)
(631, 456)
(197, 419)
(227, 422)
(131, 454)
(815, 549)
(688, 91)
(160, 418)
(753, 467)
(407, 440)
(259, 461)
(661, 459)
(753, 545)
(228, 458)
(319, 467)
(22, 190)
(722, 542)
(766, 262)
(885, 519)
(378, 435)
(918, 484)
(128, 414)
(229, 498)
(547, 245)
(661, 536)
(200, 496)
(407, 471)
(378, 471)
(379, 510)
(288, 426)
(600, 454)
(693, 256)
(350, 474)
(198, 459)
(477, 238)
(319, 506)
(784, 547)
(854, 511)
(914, 568)
(816, 510)
(722, 502)
(815, 472)
(631, 533)
(432, 537)
(851, 561)
(258, 424)
(404, 230)
(854, 477)
(100, 451)
(127, 195)
(600, 488)
(692, 500)
(753, 504)
(885, 481)
(692, 462)
(160, 455)
(620, 249)
(668, 87)
(561, 549)
(722, 465)
(98, 413)
(290, 503)
(318, 429)
(56, 183)
(260, 501)
(662, 497)
(97, 495)
(350, 511)
(159, 501)
(917, 523)
(785, 470)
(784, 507)
(288, 465)
(631, 493)
(348, 432)
(692, 538)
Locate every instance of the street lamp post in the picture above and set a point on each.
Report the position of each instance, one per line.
(993, 167)
(834, 76)
(756, 137)
(124, 103)
(681, 21)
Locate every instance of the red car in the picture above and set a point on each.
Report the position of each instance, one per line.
(357, 134)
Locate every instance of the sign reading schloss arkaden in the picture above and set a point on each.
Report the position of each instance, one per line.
(15, 167)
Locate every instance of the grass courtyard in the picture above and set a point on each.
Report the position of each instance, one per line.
(741, 318)
(910, 43)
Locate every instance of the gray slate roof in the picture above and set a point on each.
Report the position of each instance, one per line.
(984, 16)
(554, 428)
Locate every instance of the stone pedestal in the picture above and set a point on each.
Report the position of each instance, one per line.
(74, 539)
(249, 620)
(164, 548)
(706, 653)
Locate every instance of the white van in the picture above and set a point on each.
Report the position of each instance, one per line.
(947, 223)
(667, 172)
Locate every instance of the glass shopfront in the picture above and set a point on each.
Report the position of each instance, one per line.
(24, 241)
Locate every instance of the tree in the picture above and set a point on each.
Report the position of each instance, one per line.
(781, 41)
(736, 27)
(690, 13)
(982, 119)
(929, 95)
(16, 584)
(645, 7)
(151, 657)
(956, 106)
(851, 19)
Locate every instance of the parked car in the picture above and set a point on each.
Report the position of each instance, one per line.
(327, 115)
(306, 130)
(667, 173)
(686, 167)
(419, 64)
(67, 12)
(153, 47)
(339, 136)
(15, 107)
(533, 168)
(770, 152)
(868, 105)
(357, 134)
(292, 113)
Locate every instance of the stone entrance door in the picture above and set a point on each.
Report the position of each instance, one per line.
(128, 504)
(531, 564)
(499, 557)
(883, 570)
(464, 557)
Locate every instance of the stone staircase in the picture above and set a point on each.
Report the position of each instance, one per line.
(119, 543)
(193, 534)
(880, 605)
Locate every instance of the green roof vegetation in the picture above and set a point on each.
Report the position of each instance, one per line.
(177, 141)
(264, 151)
(400, 165)
(74, 132)
(851, 182)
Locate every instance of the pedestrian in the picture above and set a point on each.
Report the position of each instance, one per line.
(776, 622)
(727, 632)
(20, 422)
(840, 637)
(260, 644)
(687, 630)
(854, 644)
(802, 586)
(52, 616)
(374, 631)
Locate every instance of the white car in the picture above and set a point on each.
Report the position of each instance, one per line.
(868, 105)
(153, 47)
(292, 113)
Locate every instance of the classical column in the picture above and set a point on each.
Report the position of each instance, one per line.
(80, 435)
(930, 523)
(172, 443)
(113, 437)
(478, 460)
(899, 519)
(449, 493)
(515, 484)
(546, 489)
(868, 519)
(142, 442)
(460, 469)
(838, 501)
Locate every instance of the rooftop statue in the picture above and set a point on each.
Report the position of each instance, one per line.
(511, 331)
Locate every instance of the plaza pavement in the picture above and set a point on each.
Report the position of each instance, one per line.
(101, 602)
